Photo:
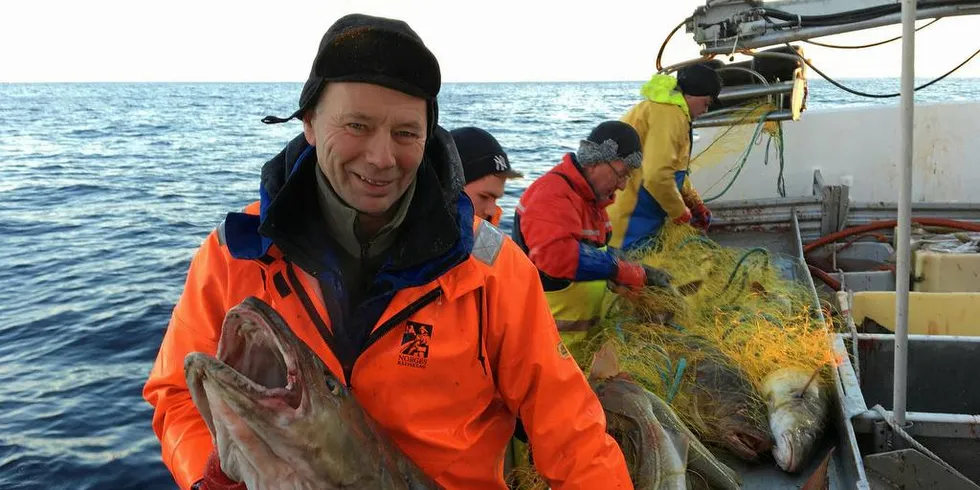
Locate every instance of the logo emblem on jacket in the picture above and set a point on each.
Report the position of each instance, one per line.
(414, 351)
(563, 351)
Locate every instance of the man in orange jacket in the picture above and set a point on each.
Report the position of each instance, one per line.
(486, 169)
(361, 232)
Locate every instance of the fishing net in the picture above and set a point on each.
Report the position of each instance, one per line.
(729, 141)
(729, 308)
(525, 477)
(734, 143)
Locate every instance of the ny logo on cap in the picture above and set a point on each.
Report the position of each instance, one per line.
(501, 163)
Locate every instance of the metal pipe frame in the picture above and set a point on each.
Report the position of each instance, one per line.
(925, 424)
(780, 37)
(727, 120)
(751, 91)
(750, 71)
(904, 238)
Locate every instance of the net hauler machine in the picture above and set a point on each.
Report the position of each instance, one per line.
(764, 30)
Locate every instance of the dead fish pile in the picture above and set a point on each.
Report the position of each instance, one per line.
(713, 404)
(660, 450)
(735, 348)
(281, 420)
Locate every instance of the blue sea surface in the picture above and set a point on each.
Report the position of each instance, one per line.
(108, 189)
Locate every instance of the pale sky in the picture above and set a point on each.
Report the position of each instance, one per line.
(491, 40)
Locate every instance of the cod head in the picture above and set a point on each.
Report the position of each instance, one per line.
(277, 415)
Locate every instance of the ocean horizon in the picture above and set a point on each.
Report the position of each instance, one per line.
(110, 187)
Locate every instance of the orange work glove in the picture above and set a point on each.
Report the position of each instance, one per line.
(684, 218)
(630, 274)
(634, 275)
(215, 479)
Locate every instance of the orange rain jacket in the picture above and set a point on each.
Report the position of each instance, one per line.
(494, 352)
(498, 212)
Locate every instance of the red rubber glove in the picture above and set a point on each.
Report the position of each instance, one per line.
(215, 479)
(684, 218)
(634, 275)
(630, 274)
(701, 216)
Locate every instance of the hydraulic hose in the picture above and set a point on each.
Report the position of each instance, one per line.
(825, 277)
(875, 225)
(878, 225)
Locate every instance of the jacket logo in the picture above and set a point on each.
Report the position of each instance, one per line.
(500, 162)
(414, 351)
(563, 351)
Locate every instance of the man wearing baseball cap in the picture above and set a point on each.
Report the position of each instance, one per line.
(662, 190)
(433, 321)
(486, 169)
(561, 223)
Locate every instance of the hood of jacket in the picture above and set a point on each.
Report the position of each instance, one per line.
(663, 89)
(439, 218)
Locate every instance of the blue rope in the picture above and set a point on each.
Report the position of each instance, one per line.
(698, 238)
(772, 319)
(675, 386)
(744, 158)
(741, 260)
(670, 376)
(780, 149)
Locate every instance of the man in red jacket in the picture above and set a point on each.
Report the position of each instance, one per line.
(561, 223)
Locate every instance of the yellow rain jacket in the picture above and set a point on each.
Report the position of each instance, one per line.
(662, 189)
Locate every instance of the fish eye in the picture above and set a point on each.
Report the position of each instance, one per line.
(333, 385)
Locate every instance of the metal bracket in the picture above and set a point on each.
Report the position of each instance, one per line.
(835, 204)
(909, 469)
(882, 437)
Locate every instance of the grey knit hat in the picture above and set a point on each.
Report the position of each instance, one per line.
(611, 141)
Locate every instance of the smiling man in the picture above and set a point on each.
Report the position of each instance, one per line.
(486, 168)
(362, 240)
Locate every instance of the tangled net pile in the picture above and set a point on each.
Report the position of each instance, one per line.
(728, 306)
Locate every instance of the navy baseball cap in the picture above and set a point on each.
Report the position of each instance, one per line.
(481, 154)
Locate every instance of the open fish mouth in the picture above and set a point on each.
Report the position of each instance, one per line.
(252, 363)
(749, 445)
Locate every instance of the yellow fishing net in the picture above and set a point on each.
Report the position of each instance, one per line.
(734, 300)
(728, 142)
(731, 307)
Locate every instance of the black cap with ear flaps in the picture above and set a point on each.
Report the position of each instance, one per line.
(610, 141)
(378, 50)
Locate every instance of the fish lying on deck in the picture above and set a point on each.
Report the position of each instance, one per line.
(657, 458)
(727, 403)
(798, 406)
(700, 461)
(281, 420)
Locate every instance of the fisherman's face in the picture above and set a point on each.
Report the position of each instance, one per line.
(607, 178)
(484, 193)
(697, 104)
(369, 142)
